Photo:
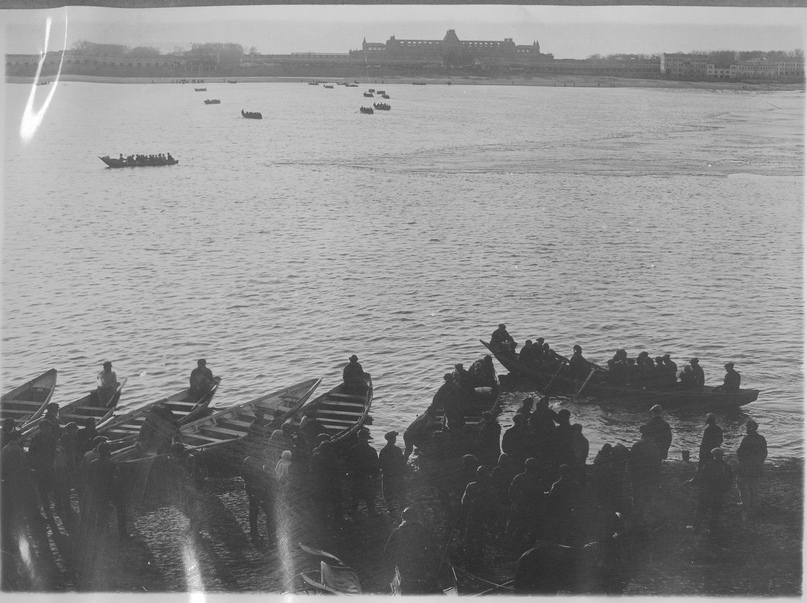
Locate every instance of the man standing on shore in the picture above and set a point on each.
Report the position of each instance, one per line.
(752, 453)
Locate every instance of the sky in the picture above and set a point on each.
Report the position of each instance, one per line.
(574, 32)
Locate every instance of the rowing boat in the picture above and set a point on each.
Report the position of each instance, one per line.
(124, 429)
(707, 399)
(28, 401)
(342, 414)
(78, 411)
(439, 442)
(230, 426)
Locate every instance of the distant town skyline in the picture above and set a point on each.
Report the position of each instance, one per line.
(567, 32)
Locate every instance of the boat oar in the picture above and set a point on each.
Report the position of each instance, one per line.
(560, 368)
(590, 375)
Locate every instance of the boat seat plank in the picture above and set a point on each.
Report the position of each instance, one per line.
(20, 405)
(215, 429)
(355, 397)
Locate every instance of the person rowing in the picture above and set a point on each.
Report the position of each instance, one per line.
(731, 382)
(501, 341)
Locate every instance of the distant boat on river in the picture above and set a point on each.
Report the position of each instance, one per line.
(251, 114)
(367, 110)
(200, 89)
(212, 101)
(139, 161)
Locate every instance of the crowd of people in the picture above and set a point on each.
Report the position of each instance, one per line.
(660, 372)
(514, 487)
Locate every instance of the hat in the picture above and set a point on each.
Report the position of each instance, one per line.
(201, 362)
(502, 325)
(458, 366)
(390, 435)
(694, 361)
(532, 463)
(52, 406)
(448, 376)
(353, 358)
(323, 437)
(563, 412)
(752, 425)
(364, 434)
(577, 348)
(718, 452)
(711, 418)
(107, 364)
(728, 365)
(655, 409)
(469, 460)
(98, 439)
(665, 357)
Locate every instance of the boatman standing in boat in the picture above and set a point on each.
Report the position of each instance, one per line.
(107, 384)
(731, 382)
(201, 380)
(579, 367)
(353, 376)
(501, 341)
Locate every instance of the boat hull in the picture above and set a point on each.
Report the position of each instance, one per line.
(123, 163)
(28, 401)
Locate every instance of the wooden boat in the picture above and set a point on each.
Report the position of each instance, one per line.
(124, 429)
(142, 162)
(212, 101)
(385, 96)
(28, 401)
(381, 106)
(328, 86)
(340, 413)
(79, 410)
(226, 427)
(200, 89)
(381, 92)
(439, 443)
(352, 85)
(670, 398)
(251, 114)
(366, 110)
(368, 94)
(371, 90)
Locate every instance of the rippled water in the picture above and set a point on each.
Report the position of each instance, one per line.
(659, 220)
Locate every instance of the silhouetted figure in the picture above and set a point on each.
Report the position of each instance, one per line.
(501, 341)
(731, 382)
(527, 505)
(483, 373)
(579, 367)
(563, 501)
(201, 380)
(463, 378)
(421, 430)
(353, 377)
(713, 480)
(158, 430)
(478, 515)
(106, 385)
(409, 548)
(488, 445)
(526, 406)
(659, 431)
(393, 472)
(712, 438)
(104, 488)
(363, 466)
(18, 506)
(41, 456)
(752, 453)
(449, 398)
(645, 470)
(516, 441)
(502, 476)
(324, 475)
(259, 425)
(8, 427)
(697, 374)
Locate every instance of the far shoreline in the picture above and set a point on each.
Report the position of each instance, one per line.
(558, 81)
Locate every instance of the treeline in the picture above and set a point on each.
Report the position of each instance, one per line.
(727, 57)
(224, 50)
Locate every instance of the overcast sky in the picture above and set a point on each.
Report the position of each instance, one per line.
(566, 32)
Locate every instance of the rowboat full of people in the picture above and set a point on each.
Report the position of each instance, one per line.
(381, 106)
(212, 101)
(641, 381)
(139, 160)
(251, 114)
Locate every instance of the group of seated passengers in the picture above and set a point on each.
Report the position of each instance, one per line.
(538, 354)
(145, 158)
(649, 372)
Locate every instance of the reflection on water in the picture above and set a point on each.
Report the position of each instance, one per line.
(659, 220)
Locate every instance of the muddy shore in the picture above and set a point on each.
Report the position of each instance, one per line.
(759, 556)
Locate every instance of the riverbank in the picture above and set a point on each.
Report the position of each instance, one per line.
(759, 556)
(568, 81)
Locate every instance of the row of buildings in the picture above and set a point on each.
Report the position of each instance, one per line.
(402, 57)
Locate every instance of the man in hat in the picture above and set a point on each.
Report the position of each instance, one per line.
(752, 453)
(107, 384)
(672, 368)
(52, 416)
(257, 428)
(41, 456)
(644, 465)
(353, 376)
(501, 341)
(579, 367)
(659, 430)
(463, 378)
(421, 430)
(698, 377)
(449, 398)
(714, 480)
(393, 469)
(731, 382)
(201, 380)
(712, 438)
(362, 462)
